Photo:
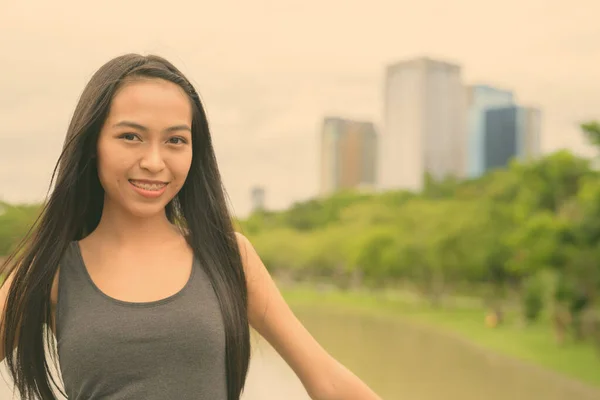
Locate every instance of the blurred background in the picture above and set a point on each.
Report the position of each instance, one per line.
(421, 178)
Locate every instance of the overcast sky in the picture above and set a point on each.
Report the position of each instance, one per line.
(269, 71)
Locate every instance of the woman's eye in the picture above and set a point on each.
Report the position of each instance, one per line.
(177, 140)
(129, 136)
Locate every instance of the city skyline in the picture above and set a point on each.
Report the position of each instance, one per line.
(267, 82)
(476, 128)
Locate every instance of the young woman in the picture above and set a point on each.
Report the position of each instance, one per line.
(134, 264)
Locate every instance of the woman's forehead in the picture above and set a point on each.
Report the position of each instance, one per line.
(152, 101)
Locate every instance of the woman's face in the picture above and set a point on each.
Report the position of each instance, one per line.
(145, 146)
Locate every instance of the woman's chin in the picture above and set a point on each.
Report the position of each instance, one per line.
(146, 210)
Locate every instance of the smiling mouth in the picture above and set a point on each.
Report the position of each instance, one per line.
(148, 185)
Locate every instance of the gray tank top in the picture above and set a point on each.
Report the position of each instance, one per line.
(109, 349)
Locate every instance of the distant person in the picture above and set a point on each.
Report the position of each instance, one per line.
(135, 265)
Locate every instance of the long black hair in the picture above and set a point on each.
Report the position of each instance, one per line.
(74, 208)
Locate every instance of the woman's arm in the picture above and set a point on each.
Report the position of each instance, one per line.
(323, 377)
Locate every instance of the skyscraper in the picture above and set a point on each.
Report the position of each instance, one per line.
(480, 98)
(511, 132)
(348, 155)
(257, 195)
(424, 124)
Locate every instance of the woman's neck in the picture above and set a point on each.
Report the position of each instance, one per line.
(119, 227)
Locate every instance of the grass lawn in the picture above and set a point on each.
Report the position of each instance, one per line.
(534, 344)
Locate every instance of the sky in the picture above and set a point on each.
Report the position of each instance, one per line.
(270, 71)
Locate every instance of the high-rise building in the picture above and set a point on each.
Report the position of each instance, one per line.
(257, 195)
(480, 98)
(424, 124)
(511, 132)
(348, 155)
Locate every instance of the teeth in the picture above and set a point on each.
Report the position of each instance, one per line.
(148, 186)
